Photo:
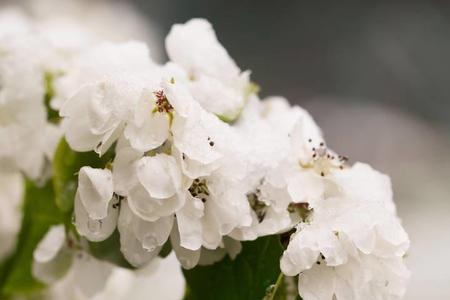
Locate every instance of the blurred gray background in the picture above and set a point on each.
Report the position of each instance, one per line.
(376, 77)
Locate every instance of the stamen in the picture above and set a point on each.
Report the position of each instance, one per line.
(257, 205)
(323, 160)
(199, 189)
(162, 103)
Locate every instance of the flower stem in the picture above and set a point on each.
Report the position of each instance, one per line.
(277, 285)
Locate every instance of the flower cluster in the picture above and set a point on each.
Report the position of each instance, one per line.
(199, 161)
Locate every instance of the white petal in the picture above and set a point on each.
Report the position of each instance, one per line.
(317, 283)
(232, 246)
(90, 274)
(160, 175)
(53, 270)
(124, 170)
(189, 223)
(78, 135)
(76, 123)
(192, 168)
(301, 254)
(199, 137)
(210, 228)
(95, 229)
(305, 187)
(51, 258)
(95, 188)
(152, 234)
(130, 246)
(151, 209)
(194, 46)
(180, 98)
(51, 244)
(187, 258)
(149, 129)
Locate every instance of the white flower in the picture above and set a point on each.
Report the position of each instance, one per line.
(95, 188)
(90, 274)
(187, 258)
(130, 245)
(95, 230)
(199, 137)
(105, 89)
(158, 192)
(149, 127)
(96, 207)
(52, 258)
(125, 167)
(353, 232)
(27, 138)
(213, 77)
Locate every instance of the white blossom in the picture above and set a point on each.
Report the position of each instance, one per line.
(354, 240)
(52, 259)
(219, 85)
(27, 138)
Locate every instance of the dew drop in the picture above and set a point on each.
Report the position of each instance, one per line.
(94, 226)
(150, 242)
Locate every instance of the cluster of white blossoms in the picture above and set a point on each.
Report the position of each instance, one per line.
(199, 161)
(35, 49)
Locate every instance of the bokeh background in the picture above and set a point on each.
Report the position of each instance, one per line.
(376, 77)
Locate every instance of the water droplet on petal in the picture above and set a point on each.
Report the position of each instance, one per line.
(150, 248)
(94, 226)
(150, 242)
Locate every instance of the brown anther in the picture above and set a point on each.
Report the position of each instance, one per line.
(162, 103)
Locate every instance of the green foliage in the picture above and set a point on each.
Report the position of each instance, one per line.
(166, 249)
(40, 212)
(66, 165)
(249, 277)
(52, 115)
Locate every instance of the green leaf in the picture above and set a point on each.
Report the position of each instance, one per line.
(248, 277)
(40, 212)
(109, 250)
(49, 78)
(66, 165)
(166, 249)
